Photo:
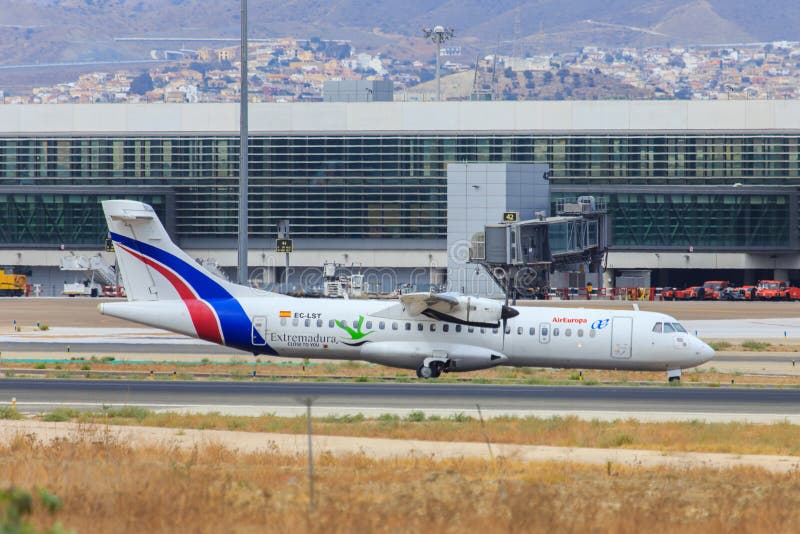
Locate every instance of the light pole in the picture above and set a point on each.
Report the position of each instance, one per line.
(243, 153)
(439, 35)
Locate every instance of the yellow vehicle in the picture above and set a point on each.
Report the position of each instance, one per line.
(12, 285)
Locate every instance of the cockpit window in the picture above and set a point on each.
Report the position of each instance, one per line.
(668, 328)
(678, 327)
(657, 328)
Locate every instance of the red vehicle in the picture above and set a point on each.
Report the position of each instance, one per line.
(114, 291)
(713, 289)
(668, 293)
(690, 293)
(776, 290)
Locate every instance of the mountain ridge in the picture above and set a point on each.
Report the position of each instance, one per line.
(86, 29)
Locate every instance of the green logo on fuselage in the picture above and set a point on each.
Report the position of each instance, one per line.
(355, 333)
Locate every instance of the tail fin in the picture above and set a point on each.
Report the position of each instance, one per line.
(152, 266)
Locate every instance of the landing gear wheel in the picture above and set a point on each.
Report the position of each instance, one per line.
(424, 372)
(436, 369)
(674, 379)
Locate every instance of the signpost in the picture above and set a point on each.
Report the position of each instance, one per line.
(284, 245)
(510, 216)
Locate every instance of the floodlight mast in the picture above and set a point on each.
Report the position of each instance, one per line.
(438, 35)
(243, 156)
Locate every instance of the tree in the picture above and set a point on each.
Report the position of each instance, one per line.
(142, 84)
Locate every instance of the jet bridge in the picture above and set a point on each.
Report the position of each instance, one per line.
(521, 256)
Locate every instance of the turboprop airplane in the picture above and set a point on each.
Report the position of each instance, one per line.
(427, 332)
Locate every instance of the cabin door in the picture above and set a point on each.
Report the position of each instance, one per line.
(621, 337)
(259, 333)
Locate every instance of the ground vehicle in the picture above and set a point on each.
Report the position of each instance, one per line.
(114, 291)
(776, 290)
(739, 293)
(12, 285)
(668, 293)
(86, 288)
(690, 293)
(712, 289)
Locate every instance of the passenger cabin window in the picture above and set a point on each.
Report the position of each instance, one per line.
(381, 325)
(532, 331)
(433, 327)
(408, 326)
(483, 330)
(307, 323)
(657, 328)
(580, 332)
(445, 328)
(592, 333)
(555, 332)
(494, 330)
(420, 327)
(319, 323)
(544, 332)
(394, 326)
(470, 329)
(568, 332)
(295, 322)
(283, 321)
(519, 330)
(369, 325)
(331, 323)
(458, 328)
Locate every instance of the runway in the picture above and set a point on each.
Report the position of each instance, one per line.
(254, 398)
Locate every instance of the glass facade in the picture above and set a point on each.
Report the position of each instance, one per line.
(54, 218)
(706, 219)
(395, 186)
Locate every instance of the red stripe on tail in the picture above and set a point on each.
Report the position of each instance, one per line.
(203, 317)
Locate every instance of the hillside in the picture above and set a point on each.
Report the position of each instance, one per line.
(565, 84)
(85, 29)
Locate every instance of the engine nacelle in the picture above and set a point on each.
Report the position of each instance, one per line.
(410, 355)
(472, 311)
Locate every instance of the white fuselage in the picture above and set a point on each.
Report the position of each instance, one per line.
(387, 334)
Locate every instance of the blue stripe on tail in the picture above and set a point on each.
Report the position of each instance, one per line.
(236, 326)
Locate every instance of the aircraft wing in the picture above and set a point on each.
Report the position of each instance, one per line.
(416, 303)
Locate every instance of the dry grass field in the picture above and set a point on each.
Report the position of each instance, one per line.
(739, 438)
(109, 486)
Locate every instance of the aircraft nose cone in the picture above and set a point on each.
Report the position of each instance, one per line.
(703, 352)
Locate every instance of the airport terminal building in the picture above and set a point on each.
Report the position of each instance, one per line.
(695, 190)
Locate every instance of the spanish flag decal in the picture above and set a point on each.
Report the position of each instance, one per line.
(286, 313)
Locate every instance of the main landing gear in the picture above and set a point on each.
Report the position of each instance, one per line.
(674, 375)
(431, 369)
